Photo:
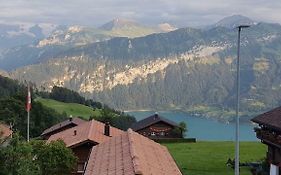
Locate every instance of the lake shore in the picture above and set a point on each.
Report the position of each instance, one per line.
(203, 128)
(211, 114)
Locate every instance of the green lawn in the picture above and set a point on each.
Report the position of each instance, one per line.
(209, 158)
(73, 109)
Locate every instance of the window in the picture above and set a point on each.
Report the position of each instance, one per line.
(81, 167)
(153, 133)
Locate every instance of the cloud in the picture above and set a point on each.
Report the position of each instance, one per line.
(97, 12)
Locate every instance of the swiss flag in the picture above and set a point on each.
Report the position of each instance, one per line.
(28, 100)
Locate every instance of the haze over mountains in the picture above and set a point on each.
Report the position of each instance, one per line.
(38, 49)
(233, 21)
(17, 34)
(131, 66)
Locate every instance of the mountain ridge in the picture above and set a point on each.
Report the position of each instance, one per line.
(118, 23)
(232, 22)
(175, 70)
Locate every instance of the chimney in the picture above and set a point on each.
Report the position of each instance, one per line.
(155, 115)
(107, 129)
(75, 132)
(70, 118)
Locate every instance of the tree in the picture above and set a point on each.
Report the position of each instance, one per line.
(106, 116)
(12, 110)
(180, 130)
(116, 118)
(17, 158)
(183, 128)
(66, 95)
(9, 87)
(36, 158)
(54, 158)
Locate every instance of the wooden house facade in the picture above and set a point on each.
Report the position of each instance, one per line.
(157, 127)
(269, 132)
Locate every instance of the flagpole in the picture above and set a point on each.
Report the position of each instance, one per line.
(28, 106)
(28, 126)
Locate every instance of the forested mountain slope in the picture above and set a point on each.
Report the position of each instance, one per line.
(181, 69)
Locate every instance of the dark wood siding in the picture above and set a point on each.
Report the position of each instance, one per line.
(159, 130)
(272, 139)
(82, 152)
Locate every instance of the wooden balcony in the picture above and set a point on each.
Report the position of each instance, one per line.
(80, 168)
(268, 137)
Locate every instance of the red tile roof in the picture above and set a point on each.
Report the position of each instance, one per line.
(5, 131)
(131, 154)
(92, 131)
(271, 118)
(70, 121)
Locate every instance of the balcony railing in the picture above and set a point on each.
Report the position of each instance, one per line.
(268, 136)
(80, 168)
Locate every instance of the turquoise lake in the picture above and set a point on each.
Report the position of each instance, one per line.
(203, 128)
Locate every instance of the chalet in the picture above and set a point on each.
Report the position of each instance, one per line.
(156, 127)
(5, 134)
(269, 132)
(69, 123)
(83, 137)
(131, 154)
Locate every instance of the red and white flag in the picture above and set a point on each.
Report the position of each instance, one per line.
(28, 100)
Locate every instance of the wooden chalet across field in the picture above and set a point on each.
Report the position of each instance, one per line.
(269, 132)
(157, 127)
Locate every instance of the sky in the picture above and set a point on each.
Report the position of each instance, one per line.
(150, 12)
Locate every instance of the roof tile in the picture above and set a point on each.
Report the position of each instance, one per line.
(74, 121)
(271, 118)
(5, 131)
(131, 154)
(92, 130)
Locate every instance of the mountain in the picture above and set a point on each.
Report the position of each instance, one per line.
(119, 24)
(64, 38)
(166, 27)
(125, 27)
(234, 21)
(81, 35)
(75, 35)
(184, 69)
(17, 38)
(176, 70)
(4, 73)
(17, 34)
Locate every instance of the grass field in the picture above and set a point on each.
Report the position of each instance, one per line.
(209, 158)
(73, 109)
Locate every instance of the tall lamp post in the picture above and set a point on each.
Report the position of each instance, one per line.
(240, 27)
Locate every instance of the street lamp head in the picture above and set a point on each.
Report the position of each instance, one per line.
(243, 26)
